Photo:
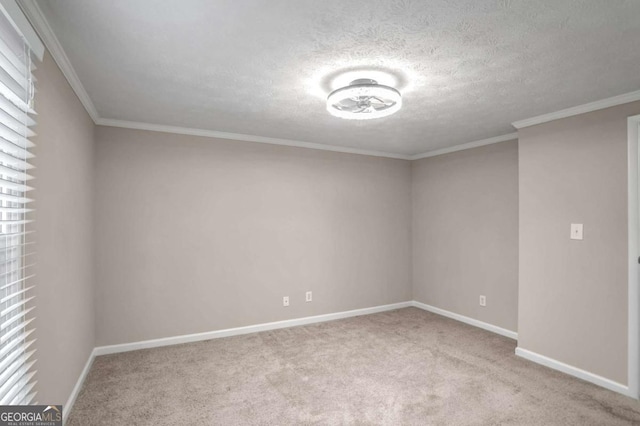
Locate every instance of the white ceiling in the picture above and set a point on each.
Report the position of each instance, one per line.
(466, 68)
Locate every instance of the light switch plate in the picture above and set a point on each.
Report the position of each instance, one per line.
(576, 231)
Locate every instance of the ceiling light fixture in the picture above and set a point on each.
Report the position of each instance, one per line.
(364, 99)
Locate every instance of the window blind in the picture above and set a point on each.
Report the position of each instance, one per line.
(16, 264)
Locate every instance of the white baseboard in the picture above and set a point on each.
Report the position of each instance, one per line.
(476, 323)
(574, 371)
(66, 409)
(188, 338)
(176, 340)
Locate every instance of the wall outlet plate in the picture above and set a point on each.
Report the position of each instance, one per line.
(285, 301)
(308, 296)
(483, 300)
(576, 231)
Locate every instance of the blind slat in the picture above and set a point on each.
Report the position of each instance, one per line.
(7, 363)
(12, 373)
(16, 382)
(16, 163)
(16, 342)
(17, 137)
(4, 237)
(19, 245)
(22, 395)
(29, 398)
(14, 199)
(17, 270)
(14, 186)
(14, 98)
(20, 384)
(21, 280)
(19, 258)
(16, 124)
(18, 350)
(13, 257)
(15, 306)
(15, 294)
(15, 210)
(14, 319)
(14, 174)
(14, 331)
(18, 114)
(14, 222)
(15, 61)
(12, 149)
(15, 72)
(20, 269)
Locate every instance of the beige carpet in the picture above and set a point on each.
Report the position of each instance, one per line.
(404, 367)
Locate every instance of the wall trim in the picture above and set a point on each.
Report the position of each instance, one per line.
(580, 109)
(41, 25)
(37, 19)
(572, 371)
(633, 158)
(469, 145)
(66, 409)
(176, 340)
(288, 142)
(242, 137)
(34, 14)
(467, 320)
(237, 331)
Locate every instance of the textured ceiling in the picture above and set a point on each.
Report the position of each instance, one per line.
(466, 68)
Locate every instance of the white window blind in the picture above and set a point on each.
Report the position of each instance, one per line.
(16, 263)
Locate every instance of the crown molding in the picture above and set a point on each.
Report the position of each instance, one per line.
(34, 14)
(41, 25)
(580, 109)
(37, 19)
(242, 137)
(288, 142)
(475, 144)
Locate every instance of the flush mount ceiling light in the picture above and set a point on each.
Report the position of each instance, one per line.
(364, 99)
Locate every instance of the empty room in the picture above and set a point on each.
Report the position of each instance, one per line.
(337, 212)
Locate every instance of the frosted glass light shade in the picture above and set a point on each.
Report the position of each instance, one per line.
(364, 99)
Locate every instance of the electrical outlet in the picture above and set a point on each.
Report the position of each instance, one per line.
(308, 297)
(483, 300)
(285, 301)
(576, 231)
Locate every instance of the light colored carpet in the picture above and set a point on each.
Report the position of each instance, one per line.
(404, 367)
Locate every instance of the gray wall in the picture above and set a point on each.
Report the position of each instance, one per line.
(64, 194)
(465, 232)
(573, 294)
(235, 226)
(198, 234)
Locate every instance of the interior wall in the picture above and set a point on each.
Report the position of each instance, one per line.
(573, 294)
(237, 225)
(198, 234)
(63, 224)
(465, 232)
